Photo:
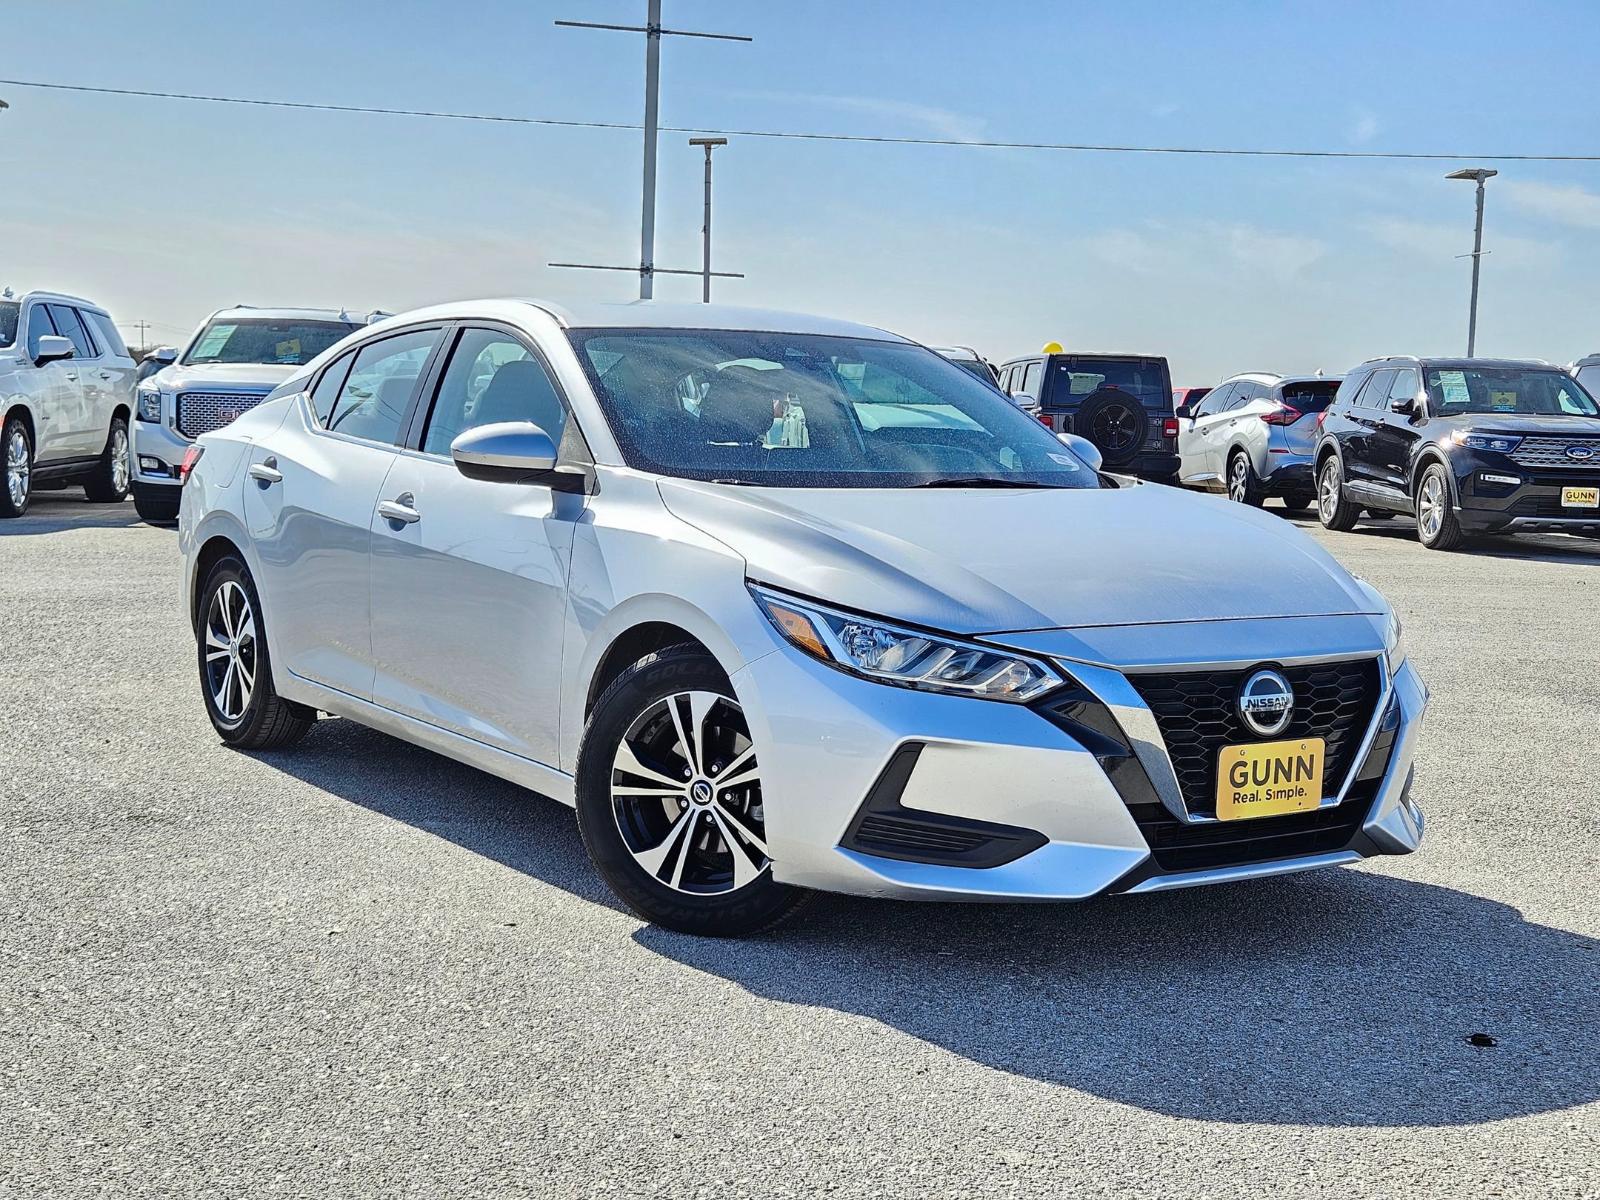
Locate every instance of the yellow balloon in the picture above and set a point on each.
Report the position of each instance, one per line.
(1052, 348)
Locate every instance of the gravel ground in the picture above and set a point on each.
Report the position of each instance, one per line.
(361, 969)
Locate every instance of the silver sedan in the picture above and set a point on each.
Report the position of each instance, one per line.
(782, 603)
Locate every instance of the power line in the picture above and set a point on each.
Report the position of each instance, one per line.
(796, 135)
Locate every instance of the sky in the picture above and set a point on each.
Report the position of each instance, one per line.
(165, 210)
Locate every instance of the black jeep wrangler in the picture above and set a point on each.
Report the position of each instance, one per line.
(1120, 402)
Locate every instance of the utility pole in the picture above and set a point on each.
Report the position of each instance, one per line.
(652, 101)
(710, 143)
(141, 326)
(1479, 174)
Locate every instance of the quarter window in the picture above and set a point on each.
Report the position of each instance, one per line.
(374, 399)
(105, 332)
(492, 377)
(327, 389)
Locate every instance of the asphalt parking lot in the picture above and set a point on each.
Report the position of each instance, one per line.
(358, 968)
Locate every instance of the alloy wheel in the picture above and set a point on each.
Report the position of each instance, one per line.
(119, 459)
(1328, 492)
(1238, 478)
(18, 468)
(1430, 507)
(686, 795)
(231, 650)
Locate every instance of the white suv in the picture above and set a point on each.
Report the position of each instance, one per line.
(66, 391)
(234, 359)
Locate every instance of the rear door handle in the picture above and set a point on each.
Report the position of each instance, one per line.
(266, 471)
(399, 509)
(105, 374)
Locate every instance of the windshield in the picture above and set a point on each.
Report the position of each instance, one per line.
(10, 314)
(291, 343)
(1145, 379)
(1520, 391)
(1310, 397)
(799, 410)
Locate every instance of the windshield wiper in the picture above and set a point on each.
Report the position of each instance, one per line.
(980, 481)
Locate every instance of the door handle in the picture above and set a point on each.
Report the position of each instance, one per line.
(399, 509)
(266, 471)
(105, 374)
(72, 375)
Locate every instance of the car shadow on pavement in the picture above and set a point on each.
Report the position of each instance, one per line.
(1535, 547)
(1341, 997)
(55, 513)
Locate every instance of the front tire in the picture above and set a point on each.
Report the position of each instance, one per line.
(1244, 485)
(1437, 525)
(1333, 510)
(669, 800)
(236, 666)
(16, 468)
(109, 483)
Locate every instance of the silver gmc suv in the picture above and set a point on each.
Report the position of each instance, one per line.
(232, 362)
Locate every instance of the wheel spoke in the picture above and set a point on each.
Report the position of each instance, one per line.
(247, 627)
(225, 691)
(685, 746)
(739, 761)
(629, 763)
(653, 859)
(213, 641)
(731, 817)
(700, 706)
(743, 869)
(751, 774)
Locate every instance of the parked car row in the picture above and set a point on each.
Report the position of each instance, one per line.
(1463, 445)
(75, 409)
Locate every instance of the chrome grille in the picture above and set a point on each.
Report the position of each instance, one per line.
(1552, 452)
(201, 412)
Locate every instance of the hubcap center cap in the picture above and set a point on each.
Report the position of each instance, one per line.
(700, 792)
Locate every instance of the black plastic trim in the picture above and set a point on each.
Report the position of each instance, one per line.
(885, 829)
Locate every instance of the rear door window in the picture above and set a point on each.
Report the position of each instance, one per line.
(376, 397)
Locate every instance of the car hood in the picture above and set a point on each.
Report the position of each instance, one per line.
(1529, 425)
(992, 561)
(244, 377)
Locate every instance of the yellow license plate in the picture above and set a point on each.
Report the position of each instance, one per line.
(1268, 779)
(1580, 497)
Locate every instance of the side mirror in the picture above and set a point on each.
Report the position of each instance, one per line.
(1183, 412)
(1406, 406)
(1084, 449)
(165, 355)
(1023, 400)
(52, 347)
(513, 452)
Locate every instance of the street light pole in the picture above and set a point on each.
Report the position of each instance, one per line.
(710, 143)
(1479, 175)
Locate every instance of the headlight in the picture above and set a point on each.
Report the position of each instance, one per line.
(1499, 443)
(909, 658)
(1394, 642)
(149, 405)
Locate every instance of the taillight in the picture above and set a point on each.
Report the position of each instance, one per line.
(1282, 415)
(1169, 427)
(191, 456)
(1044, 419)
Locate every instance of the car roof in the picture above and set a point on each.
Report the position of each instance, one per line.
(243, 311)
(1457, 364)
(1588, 360)
(1273, 379)
(59, 298)
(1082, 354)
(667, 314)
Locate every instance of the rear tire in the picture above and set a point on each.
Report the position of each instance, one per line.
(669, 800)
(1244, 485)
(236, 666)
(1437, 525)
(1298, 502)
(1333, 510)
(109, 483)
(16, 468)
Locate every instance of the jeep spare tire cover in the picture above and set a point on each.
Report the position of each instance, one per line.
(1115, 422)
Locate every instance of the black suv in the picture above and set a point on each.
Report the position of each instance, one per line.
(1466, 445)
(1120, 402)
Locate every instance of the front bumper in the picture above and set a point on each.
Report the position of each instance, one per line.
(156, 451)
(1531, 504)
(1001, 802)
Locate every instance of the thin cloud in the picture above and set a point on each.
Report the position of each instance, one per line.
(1436, 242)
(941, 122)
(1561, 203)
(1364, 128)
